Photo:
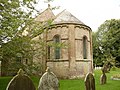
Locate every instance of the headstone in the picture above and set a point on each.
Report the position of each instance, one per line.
(107, 67)
(48, 81)
(103, 77)
(21, 82)
(89, 82)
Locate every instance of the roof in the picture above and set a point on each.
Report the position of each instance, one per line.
(45, 15)
(66, 17)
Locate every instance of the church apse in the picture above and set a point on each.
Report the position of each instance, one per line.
(76, 59)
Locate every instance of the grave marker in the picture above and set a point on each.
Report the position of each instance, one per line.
(103, 77)
(89, 82)
(21, 82)
(48, 81)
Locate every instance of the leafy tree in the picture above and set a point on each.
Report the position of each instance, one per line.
(14, 16)
(97, 54)
(108, 40)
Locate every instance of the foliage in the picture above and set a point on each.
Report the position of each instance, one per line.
(17, 28)
(15, 15)
(97, 54)
(114, 68)
(16, 52)
(34, 69)
(106, 42)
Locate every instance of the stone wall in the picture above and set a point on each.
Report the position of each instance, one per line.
(61, 69)
(80, 32)
(71, 63)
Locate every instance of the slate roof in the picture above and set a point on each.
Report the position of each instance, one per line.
(66, 17)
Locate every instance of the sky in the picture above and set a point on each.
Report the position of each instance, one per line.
(91, 12)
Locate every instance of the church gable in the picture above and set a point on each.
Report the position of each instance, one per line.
(45, 15)
(66, 17)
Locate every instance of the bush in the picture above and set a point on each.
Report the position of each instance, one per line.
(114, 68)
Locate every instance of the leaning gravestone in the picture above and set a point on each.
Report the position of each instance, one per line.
(103, 77)
(89, 82)
(48, 81)
(21, 82)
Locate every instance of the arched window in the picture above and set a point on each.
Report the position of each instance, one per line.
(84, 47)
(57, 48)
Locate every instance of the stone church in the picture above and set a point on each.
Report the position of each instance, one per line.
(76, 60)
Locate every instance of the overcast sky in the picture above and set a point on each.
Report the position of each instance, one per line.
(91, 12)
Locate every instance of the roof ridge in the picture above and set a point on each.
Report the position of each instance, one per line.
(44, 11)
(66, 17)
(60, 13)
(47, 13)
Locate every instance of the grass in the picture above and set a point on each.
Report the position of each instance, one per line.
(3, 82)
(111, 84)
(77, 84)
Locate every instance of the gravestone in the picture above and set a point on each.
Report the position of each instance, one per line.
(89, 82)
(107, 67)
(21, 82)
(48, 81)
(103, 77)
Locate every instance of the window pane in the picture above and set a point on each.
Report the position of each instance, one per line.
(48, 52)
(84, 48)
(57, 49)
(57, 53)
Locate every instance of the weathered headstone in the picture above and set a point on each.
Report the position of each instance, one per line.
(48, 81)
(21, 82)
(103, 77)
(89, 82)
(107, 67)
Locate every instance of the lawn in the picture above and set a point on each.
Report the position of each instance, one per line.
(79, 84)
(75, 84)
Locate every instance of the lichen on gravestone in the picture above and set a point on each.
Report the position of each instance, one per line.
(89, 82)
(21, 82)
(48, 81)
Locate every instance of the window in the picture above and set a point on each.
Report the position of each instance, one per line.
(18, 60)
(48, 52)
(26, 61)
(85, 47)
(57, 48)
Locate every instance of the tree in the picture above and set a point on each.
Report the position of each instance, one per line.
(97, 54)
(14, 16)
(108, 39)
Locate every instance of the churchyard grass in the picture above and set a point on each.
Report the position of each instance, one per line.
(3, 82)
(79, 84)
(76, 84)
